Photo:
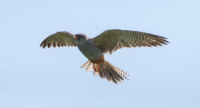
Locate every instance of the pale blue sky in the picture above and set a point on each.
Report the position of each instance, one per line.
(160, 77)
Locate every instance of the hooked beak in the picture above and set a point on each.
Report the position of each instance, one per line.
(75, 37)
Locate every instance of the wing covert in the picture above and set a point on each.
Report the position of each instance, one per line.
(112, 40)
(59, 39)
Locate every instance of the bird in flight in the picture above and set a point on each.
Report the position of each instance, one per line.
(107, 42)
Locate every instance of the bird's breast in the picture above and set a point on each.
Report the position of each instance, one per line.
(92, 52)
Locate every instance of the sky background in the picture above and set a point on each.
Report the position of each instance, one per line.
(160, 77)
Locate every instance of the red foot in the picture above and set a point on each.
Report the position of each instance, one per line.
(96, 67)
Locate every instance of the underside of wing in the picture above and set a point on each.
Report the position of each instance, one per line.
(59, 39)
(112, 40)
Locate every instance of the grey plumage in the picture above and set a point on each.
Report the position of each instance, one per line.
(107, 42)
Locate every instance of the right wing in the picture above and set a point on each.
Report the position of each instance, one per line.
(59, 39)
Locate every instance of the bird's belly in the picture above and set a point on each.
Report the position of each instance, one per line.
(93, 53)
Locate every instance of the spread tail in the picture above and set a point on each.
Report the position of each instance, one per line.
(107, 70)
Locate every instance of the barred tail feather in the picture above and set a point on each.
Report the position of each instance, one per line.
(108, 71)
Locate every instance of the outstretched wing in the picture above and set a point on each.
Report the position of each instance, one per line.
(112, 40)
(59, 39)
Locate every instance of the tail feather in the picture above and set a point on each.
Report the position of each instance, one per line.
(119, 71)
(116, 75)
(85, 64)
(88, 66)
(108, 71)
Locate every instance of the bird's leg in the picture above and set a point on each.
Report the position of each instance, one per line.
(96, 69)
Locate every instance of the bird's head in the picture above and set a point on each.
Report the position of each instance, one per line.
(80, 38)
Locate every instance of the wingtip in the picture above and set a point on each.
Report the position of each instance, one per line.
(41, 44)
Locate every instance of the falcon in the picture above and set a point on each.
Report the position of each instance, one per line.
(107, 42)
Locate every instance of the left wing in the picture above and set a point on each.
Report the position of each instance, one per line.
(112, 40)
